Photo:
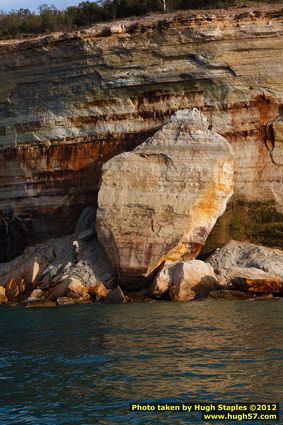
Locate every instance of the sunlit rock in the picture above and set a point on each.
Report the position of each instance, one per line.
(71, 101)
(185, 280)
(160, 202)
(254, 280)
(3, 298)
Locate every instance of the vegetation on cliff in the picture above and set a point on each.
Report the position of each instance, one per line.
(48, 18)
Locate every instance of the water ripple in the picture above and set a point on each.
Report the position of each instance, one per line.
(83, 365)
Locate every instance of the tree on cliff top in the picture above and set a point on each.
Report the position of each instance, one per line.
(48, 18)
(163, 4)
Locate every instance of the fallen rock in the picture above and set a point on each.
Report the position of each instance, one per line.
(86, 272)
(36, 293)
(46, 265)
(3, 298)
(192, 280)
(52, 273)
(163, 281)
(44, 286)
(80, 258)
(58, 291)
(65, 301)
(69, 287)
(99, 292)
(86, 222)
(77, 290)
(160, 202)
(116, 297)
(228, 294)
(247, 255)
(15, 289)
(30, 300)
(22, 268)
(254, 280)
(185, 280)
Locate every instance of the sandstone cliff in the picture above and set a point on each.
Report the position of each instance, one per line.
(69, 102)
(160, 202)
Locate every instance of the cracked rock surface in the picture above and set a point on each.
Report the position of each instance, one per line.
(71, 101)
(160, 202)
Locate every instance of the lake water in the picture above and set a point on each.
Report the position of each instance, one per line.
(80, 365)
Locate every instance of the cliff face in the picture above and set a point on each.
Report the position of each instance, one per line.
(69, 102)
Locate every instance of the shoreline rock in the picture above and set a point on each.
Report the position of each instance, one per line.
(3, 298)
(184, 281)
(254, 280)
(160, 202)
(245, 258)
(116, 296)
(237, 271)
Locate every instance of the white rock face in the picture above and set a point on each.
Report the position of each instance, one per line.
(161, 201)
(244, 256)
(185, 280)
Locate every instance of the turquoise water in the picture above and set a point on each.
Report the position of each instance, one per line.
(84, 364)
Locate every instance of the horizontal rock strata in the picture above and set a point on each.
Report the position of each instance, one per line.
(160, 202)
(69, 102)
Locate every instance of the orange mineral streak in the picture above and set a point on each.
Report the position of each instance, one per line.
(72, 157)
(264, 285)
(259, 112)
(267, 108)
(192, 241)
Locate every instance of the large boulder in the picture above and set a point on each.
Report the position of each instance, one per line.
(79, 258)
(25, 267)
(160, 202)
(15, 289)
(98, 292)
(254, 280)
(185, 280)
(245, 255)
(116, 297)
(3, 298)
(65, 301)
(76, 289)
(85, 228)
(69, 287)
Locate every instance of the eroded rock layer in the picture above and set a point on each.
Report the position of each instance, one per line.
(160, 202)
(69, 102)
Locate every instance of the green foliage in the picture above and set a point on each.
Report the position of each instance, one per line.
(48, 18)
(85, 13)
